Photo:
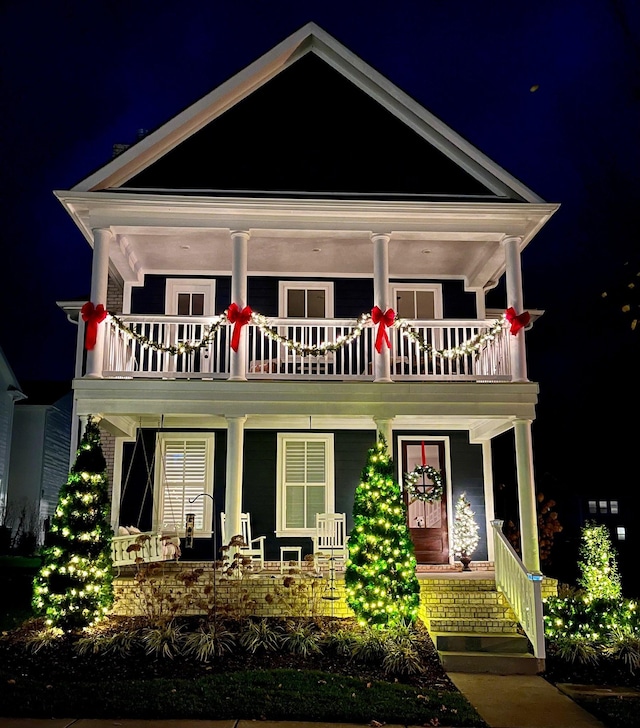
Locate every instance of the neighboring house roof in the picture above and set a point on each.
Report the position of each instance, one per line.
(46, 392)
(309, 80)
(8, 378)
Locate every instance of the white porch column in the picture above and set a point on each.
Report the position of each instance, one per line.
(515, 298)
(527, 495)
(489, 504)
(99, 283)
(384, 427)
(240, 239)
(382, 361)
(233, 492)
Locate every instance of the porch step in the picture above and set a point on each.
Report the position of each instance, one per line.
(491, 643)
(477, 625)
(474, 629)
(494, 663)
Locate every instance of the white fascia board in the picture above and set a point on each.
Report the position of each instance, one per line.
(112, 209)
(309, 39)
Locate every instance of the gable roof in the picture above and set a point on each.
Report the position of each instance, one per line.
(386, 130)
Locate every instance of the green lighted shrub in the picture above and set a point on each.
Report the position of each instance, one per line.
(74, 585)
(380, 574)
(594, 621)
(598, 565)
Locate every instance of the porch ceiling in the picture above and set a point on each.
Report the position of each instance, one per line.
(191, 235)
(485, 410)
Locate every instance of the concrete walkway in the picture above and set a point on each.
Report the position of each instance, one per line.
(521, 701)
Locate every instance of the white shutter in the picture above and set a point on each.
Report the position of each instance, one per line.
(185, 463)
(305, 482)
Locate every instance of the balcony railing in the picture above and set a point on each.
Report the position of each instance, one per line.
(163, 347)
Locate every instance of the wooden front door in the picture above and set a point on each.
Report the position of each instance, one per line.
(427, 521)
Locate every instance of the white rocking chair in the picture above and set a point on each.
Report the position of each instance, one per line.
(255, 546)
(330, 540)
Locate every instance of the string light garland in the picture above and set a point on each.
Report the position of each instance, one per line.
(406, 329)
(426, 494)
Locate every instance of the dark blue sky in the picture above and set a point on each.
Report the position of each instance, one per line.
(78, 77)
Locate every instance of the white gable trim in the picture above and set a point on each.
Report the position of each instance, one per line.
(309, 39)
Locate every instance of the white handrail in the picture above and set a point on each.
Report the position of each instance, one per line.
(521, 588)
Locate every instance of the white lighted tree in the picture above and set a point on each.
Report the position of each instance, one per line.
(465, 531)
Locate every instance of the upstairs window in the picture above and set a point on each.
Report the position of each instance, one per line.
(305, 299)
(416, 301)
(190, 297)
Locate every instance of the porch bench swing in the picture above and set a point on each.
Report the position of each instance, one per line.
(131, 546)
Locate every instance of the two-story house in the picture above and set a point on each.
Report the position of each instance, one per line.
(293, 264)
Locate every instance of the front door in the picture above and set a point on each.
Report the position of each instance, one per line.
(427, 521)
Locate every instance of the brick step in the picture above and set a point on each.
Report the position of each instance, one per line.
(494, 663)
(479, 626)
(470, 611)
(457, 585)
(497, 642)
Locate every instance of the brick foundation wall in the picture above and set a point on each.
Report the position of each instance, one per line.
(272, 594)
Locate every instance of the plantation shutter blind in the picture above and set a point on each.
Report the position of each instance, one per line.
(305, 482)
(185, 471)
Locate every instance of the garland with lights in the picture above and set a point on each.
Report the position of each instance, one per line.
(470, 346)
(380, 574)
(417, 492)
(73, 588)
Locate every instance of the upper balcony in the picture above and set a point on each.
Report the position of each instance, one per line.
(175, 347)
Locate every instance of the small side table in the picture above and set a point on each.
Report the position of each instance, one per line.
(297, 550)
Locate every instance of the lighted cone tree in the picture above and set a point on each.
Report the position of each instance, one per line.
(74, 585)
(599, 575)
(380, 574)
(465, 531)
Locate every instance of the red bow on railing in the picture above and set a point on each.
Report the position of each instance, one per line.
(383, 319)
(517, 321)
(93, 315)
(238, 317)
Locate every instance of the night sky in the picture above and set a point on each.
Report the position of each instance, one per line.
(549, 90)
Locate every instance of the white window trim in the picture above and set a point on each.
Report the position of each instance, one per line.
(436, 288)
(159, 481)
(281, 531)
(284, 286)
(189, 285)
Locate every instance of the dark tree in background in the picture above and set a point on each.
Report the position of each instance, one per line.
(74, 585)
(380, 575)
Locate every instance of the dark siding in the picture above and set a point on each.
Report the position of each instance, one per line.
(260, 480)
(150, 298)
(352, 296)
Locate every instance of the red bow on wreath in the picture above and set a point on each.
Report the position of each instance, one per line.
(93, 315)
(384, 320)
(238, 317)
(517, 321)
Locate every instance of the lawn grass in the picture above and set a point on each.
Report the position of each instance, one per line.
(261, 695)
